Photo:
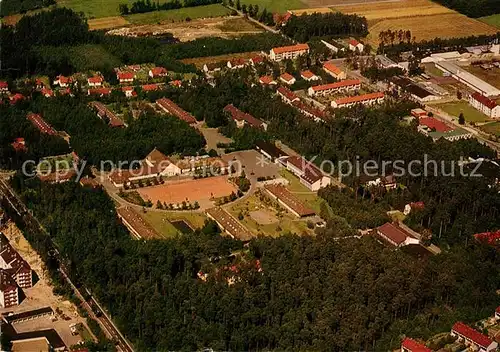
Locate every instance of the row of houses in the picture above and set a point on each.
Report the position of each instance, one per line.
(291, 98)
(42, 125)
(242, 118)
(170, 107)
(233, 64)
(484, 104)
(229, 224)
(288, 200)
(337, 87)
(106, 115)
(364, 99)
(15, 273)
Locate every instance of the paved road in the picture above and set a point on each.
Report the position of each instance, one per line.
(31, 222)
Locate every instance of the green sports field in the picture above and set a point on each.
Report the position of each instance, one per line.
(493, 20)
(215, 10)
(470, 114)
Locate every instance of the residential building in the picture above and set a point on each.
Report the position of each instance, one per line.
(355, 45)
(396, 235)
(256, 60)
(334, 71)
(157, 72)
(29, 315)
(287, 95)
(16, 98)
(497, 313)
(203, 165)
(125, 77)
(150, 87)
(137, 226)
(106, 115)
(413, 206)
(468, 78)
(288, 200)
(4, 87)
(485, 105)
(237, 63)
(41, 124)
(308, 76)
(365, 99)
(287, 78)
(267, 80)
(229, 224)
(337, 87)
(418, 113)
(288, 52)
(415, 91)
(308, 173)
(330, 46)
(316, 114)
(62, 81)
(47, 93)
(129, 91)
(9, 291)
(95, 81)
(12, 262)
(212, 67)
(410, 345)
(270, 151)
(473, 338)
(170, 107)
(19, 145)
(242, 118)
(176, 83)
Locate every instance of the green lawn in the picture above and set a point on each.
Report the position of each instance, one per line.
(493, 20)
(279, 6)
(470, 114)
(160, 223)
(493, 128)
(215, 10)
(97, 8)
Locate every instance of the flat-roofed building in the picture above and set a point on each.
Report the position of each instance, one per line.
(229, 224)
(288, 200)
(468, 78)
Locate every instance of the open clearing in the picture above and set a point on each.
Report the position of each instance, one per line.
(493, 20)
(425, 19)
(97, 8)
(107, 22)
(279, 6)
(470, 114)
(202, 190)
(186, 31)
(215, 10)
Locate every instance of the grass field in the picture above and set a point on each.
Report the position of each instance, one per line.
(92, 57)
(493, 20)
(160, 223)
(425, 19)
(107, 22)
(280, 6)
(97, 8)
(493, 128)
(215, 10)
(470, 114)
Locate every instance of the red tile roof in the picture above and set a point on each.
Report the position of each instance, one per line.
(239, 115)
(471, 334)
(395, 233)
(41, 124)
(488, 237)
(95, 79)
(491, 104)
(150, 87)
(14, 99)
(287, 93)
(99, 91)
(19, 145)
(414, 346)
(257, 59)
(125, 76)
(287, 77)
(336, 85)
(307, 74)
(176, 83)
(359, 98)
(353, 42)
(332, 68)
(159, 71)
(497, 310)
(290, 48)
(47, 92)
(280, 192)
(238, 62)
(434, 123)
(307, 109)
(266, 80)
(172, 108)
(63, 79)
(3, 85)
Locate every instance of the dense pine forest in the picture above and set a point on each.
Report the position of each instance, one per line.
(474, 8)
(314, 293)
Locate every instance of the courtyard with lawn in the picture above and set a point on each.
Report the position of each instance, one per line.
(470, 114)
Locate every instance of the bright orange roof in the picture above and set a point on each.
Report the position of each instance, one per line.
(290, 48)
(359, 98)
(332, 68)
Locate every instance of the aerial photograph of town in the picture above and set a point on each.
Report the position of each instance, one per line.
(250, 175)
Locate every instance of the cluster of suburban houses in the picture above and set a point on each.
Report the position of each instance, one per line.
(464, 334)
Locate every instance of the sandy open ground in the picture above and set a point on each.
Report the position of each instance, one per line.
(107, 22)
(201, 190)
